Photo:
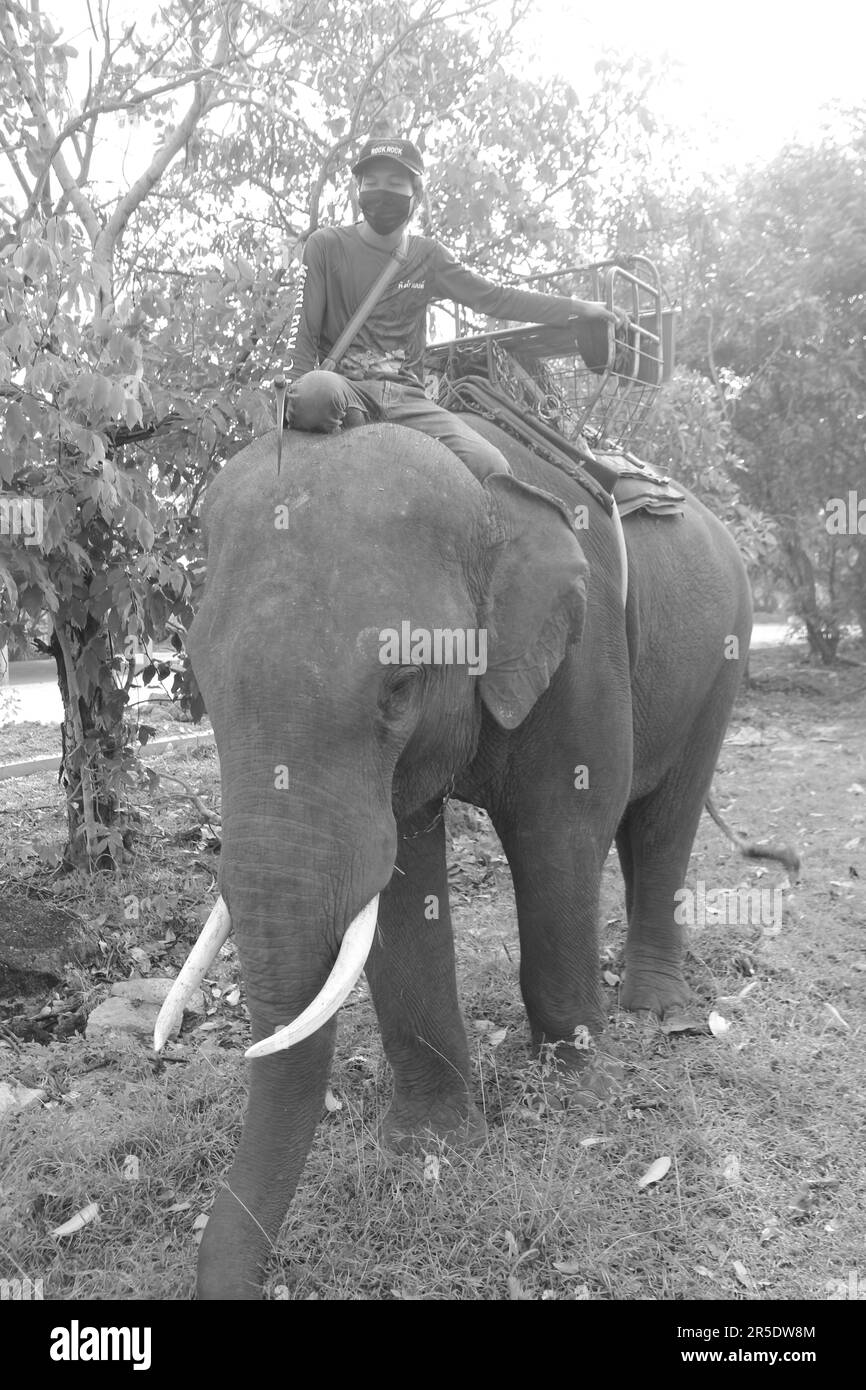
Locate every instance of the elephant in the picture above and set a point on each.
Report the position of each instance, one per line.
(581, 719)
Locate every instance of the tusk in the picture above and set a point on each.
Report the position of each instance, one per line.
(195, 967)
(354, 950)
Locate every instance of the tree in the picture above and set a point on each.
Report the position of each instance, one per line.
(781, 331)
(142, 322)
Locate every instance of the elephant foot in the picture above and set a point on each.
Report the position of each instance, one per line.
(411, 1126)
(647, 991)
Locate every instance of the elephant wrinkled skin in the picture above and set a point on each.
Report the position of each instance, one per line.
(588, 722)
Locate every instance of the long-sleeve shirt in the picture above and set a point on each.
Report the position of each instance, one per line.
(338, 269)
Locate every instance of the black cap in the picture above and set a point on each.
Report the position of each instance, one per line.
(388, 147)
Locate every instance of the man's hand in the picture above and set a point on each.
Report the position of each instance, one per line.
(593, 309)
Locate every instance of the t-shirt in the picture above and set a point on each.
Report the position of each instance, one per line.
(338, 269)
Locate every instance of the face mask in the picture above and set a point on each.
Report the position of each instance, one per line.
(385, 212)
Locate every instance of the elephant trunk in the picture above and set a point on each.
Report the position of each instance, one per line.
(300, 895)
(286, 1097)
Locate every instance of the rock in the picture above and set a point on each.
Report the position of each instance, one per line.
(37, 941)
(16, 1097)
(154, 990)
(132, 1008)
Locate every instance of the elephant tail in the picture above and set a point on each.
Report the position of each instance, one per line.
(754, 849)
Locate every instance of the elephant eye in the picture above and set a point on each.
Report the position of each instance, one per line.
(399, 687)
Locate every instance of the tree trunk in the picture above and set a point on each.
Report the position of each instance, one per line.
(822, 629)
(91, 745)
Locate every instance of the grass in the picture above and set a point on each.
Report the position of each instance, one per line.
(764, 1198)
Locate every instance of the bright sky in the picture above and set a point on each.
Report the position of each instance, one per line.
(752, 74)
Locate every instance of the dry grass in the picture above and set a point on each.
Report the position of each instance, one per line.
(764, 1198)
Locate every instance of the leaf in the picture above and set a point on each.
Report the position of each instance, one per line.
(130, 1171)
(16, 428)
(719, 1026)
(497, 1036)
(569, 1266)
(731, 1168)
(655, 1172)
(431, 1168)
(331, 1102)
(837, 1019)
(743, 1275)
(77, 1222)
(145, 533)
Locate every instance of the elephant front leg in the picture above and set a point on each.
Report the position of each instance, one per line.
(414, 987)
(556, 883)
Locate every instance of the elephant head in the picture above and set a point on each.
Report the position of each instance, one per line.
(328, 735)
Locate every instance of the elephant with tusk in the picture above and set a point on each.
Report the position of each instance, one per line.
(380, 629)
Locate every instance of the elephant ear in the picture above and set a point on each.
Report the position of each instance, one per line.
(535, 599)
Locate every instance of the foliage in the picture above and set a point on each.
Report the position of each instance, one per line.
(691, 438)
(782, 332)
(125, 379)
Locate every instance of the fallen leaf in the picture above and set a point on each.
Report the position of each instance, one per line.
(719, 1026)
(515, 1290)
(233, 997)
(77, 1222)
(678, 1023)
(592, 1139)
(331, 1102)
(837, 1017)
(731, 1168)
(178, 1206)
(743, 1275)
(655, 1172)
(131, 1168)
(771, 1229)
(431, 1168)
(569, 1266)
(497, 1036)
(511, 1242)
(17, 1097)
(610, 977)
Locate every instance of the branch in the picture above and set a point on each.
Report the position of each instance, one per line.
(46, 132)
(175, 142)
(105, 108)
(16, 167)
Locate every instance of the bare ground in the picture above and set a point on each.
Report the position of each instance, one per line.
(763, 1197)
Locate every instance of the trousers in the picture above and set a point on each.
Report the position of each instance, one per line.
(319, 401)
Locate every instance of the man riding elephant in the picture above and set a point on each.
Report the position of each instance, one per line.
(381, 369)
